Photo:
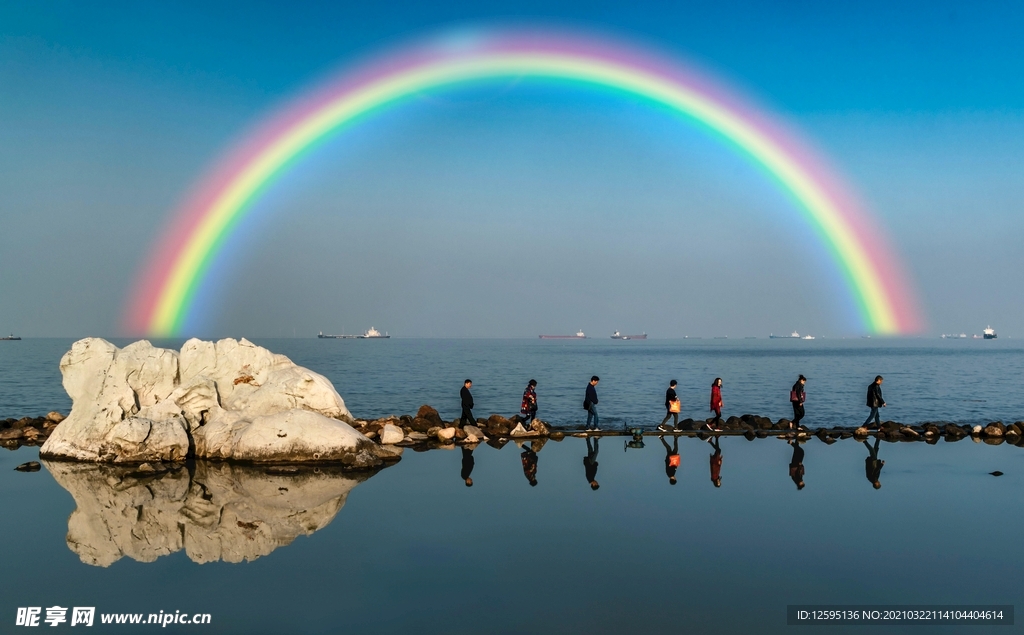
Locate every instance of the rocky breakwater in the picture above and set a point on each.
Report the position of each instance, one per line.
(228, 400)
(15, 433)
(428, 430)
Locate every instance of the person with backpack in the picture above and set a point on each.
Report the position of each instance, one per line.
(672, 407)
(797, 397)
(875, 401)
(590, 403)
(528, 409)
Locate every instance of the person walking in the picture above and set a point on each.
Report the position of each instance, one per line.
(467, 404)
(590, 403)
(672, 407)
(672, 458)
(590, 463)
(716, 402)
(797, 397)
(872, 466)
(716, 462)
(528, 410)
(467, 465)
(875, 401)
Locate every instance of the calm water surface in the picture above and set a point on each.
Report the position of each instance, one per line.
(412, 549)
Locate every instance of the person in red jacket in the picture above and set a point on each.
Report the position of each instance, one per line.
(716, 401)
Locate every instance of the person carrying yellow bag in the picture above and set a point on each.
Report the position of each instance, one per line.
(672, 407)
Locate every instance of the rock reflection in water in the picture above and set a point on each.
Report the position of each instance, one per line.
(214, 511)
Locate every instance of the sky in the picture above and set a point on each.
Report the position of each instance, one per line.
(510, 209)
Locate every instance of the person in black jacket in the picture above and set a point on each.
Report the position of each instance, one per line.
(875, 401)
(467, 404)
(590, 463)
(796, 397)
(590, 403)
(670, 398)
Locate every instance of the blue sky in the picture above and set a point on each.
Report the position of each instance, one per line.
(499, 211)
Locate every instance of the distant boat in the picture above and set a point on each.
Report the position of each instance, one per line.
(793, 336)
(336, 337)
(579, 336)
(619, 336)
(807, 337)
(10, 338)
(954, 336)
(990, 334)
(373, 334)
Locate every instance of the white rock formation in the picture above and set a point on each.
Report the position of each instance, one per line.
(223, 512)
(225, 400)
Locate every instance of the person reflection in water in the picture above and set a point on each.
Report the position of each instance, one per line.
(716, 462)
(872, 466)
(467, 465)
(796, 464)
(529, 458)
(672, 458)
(590, 464)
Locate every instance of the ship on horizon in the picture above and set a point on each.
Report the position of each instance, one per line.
(579, 336)
(989, 333)
(792, 336)
(10, 338)
(372, 334)
(618, 336)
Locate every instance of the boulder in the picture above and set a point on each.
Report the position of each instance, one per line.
(976, 430)
(228, 399)
(31, 466)
(445, 434)
(391, 433)
(431, 415)
(54, 417)
(860, 432)
(519, 431)
(995, 429)
(474, 434)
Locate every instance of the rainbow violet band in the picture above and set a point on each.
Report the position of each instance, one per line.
(163, 300)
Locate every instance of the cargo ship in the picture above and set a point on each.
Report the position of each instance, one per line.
(10, 338)
(372, 334)
(618, 336)
(579, 336)
(989, 333)
(792, 336)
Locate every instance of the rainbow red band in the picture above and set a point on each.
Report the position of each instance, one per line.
(164, 297)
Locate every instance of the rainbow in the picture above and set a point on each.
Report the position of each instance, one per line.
(163, 301)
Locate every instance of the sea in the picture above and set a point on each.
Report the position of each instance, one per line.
(411, 548)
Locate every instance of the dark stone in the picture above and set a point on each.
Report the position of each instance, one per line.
(405, 419)
(687, 424)
(782, 424)
(761, 434)
(890, 427)
(31, 466)
(732, 423)
(994, 429)
(749, 434)
(996, 473)
(430, 414)
(845, 434)
(994, 440)
(419, 424)
(10, 434)
(954, 431)
(1014, 429)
